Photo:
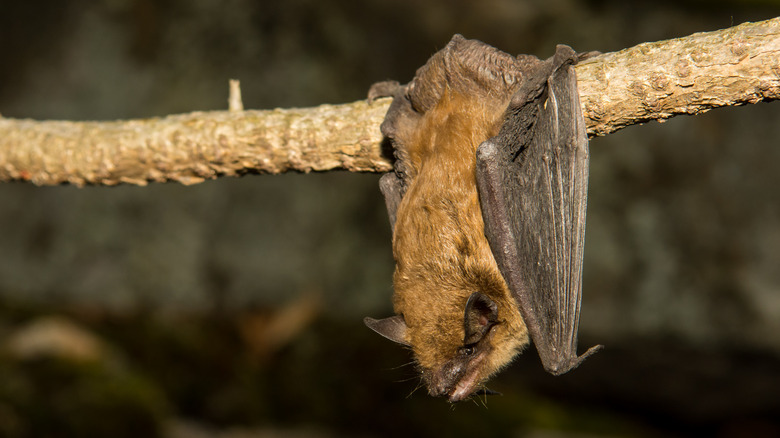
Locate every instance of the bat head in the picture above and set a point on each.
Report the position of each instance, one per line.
(461, 375)
(456, 368)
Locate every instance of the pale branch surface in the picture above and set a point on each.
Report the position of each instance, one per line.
(691, 75)
(190, 148)
(650, 81)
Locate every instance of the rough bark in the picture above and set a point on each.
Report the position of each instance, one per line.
(190, 148)
(650, 81)
(691, 75)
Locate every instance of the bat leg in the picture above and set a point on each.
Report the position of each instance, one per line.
(391, 187)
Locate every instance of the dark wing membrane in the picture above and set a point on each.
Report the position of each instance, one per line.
(392, 189)
(533, 181)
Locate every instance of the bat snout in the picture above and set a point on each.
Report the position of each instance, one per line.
(458, 379)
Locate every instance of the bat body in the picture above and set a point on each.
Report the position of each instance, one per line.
(487, 204)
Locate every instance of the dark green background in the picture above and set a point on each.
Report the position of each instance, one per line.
(682, 261)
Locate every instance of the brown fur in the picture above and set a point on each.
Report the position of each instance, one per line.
(441, 251)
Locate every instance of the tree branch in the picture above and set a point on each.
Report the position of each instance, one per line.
(691, 75)
(650, 81)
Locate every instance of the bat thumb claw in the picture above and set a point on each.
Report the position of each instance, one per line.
(591, 351)
(562, 368)
(581, 358)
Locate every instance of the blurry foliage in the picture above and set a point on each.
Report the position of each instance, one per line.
(196, 366)
(50, 397)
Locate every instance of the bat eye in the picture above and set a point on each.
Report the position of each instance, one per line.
(468, 350)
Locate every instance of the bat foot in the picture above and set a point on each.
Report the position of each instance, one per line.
(383, 89)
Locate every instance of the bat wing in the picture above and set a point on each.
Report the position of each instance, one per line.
(391, 186)
(532, 180)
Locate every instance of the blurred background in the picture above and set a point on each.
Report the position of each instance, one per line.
(233, 308)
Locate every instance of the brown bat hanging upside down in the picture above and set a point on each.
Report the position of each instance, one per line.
(487, 204)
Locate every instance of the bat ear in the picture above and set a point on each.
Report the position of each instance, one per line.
(393, 328)
(480, 314)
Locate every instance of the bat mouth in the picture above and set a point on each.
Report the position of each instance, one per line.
(469, 383)
(457, 381)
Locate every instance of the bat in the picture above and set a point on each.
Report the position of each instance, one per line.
(487, 203)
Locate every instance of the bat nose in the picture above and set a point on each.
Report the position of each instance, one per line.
(442, 383)
(438, 389)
